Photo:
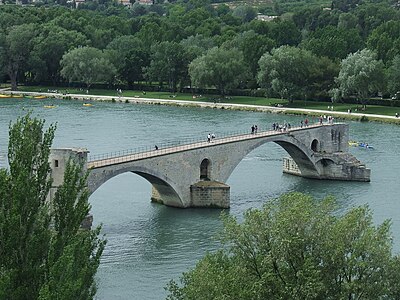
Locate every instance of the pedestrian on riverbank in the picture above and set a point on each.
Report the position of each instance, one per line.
(255, 128)
(155, 147)
(306, 122)
(209, 137)
(212, 136)
(252, 129)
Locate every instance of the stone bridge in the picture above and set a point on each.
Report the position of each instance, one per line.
(194, 175)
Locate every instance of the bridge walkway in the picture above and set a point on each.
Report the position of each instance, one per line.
(105, 160)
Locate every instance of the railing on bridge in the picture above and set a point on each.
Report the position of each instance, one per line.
(174, 146)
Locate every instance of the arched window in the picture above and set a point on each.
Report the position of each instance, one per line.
(205, 169)
(314, 145)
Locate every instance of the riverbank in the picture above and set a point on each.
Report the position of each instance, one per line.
(216, 105)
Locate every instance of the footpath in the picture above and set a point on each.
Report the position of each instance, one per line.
(260, 108)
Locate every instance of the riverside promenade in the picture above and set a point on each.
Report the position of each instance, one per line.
(260, 108)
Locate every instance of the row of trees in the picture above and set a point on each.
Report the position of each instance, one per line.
(187, 45)
(44, 254)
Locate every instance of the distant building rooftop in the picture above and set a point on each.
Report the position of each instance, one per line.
(265, 17)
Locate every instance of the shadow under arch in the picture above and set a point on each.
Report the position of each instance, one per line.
(162, 187)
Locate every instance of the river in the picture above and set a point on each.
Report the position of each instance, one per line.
(149, 244)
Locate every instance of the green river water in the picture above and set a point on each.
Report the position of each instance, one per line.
(149, 244)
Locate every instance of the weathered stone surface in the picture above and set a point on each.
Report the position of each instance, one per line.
(180, 178)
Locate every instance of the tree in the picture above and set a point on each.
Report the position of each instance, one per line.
(385, 40)
(333, 42)
(49, 46)
(223, 68)
(168, 63)
(361, 75)
(296, 248)
(253, 45)
(17, 48)
(393, 76)
(43, 252)
(287, 71)
(88, 65)
(130, 57)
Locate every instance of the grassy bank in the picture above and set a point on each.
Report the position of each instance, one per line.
(245, 100)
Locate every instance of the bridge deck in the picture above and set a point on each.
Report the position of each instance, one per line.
(169, 150)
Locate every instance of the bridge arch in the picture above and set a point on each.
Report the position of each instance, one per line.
(299, 152)
(163, 187)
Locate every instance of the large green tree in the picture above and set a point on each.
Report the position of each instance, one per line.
(43, 252)
(361, 75)
(221, 68)
(50, 45)
(17, 47)
(88, 65)
(129, 56)
(297, 248)
(168, 63)
(287, 71)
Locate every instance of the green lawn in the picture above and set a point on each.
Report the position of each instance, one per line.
(341, 107)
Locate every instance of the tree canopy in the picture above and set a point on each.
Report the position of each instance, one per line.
(219, 67)
(287, 71)
(88, 65)
(296, 247)
(34, 40)
(361, 74)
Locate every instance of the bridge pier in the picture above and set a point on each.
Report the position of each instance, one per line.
(336, 166)
(210, 194)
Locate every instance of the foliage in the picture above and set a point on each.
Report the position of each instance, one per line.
(385, 40)
(287, 71)
(49, 47)
(222, 68)
(296, 248)
(361, 75)
(43, 252)
(17, 46)
(129, 56)
(393, 77)
(253, 45)
(168, 63)
(333, 42)
(88, 65)
(128, 37)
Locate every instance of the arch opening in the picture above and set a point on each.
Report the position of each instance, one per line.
(314, 145)
(205, 169)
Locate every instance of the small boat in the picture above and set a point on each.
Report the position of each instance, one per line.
(17, 96)
(87, 104)
(50, 106)
(353, 143)
(365, 146)
(39, 97)
(5, 96)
